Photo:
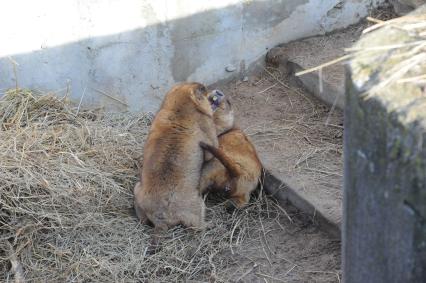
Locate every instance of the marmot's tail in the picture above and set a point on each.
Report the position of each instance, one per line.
(233, 169)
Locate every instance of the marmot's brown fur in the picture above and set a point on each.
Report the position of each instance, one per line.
(167, 194)
(237, 169)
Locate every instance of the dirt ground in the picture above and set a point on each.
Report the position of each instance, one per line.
(297, 136)
(69, 217)
(288, 129)
(284, 251)
(74, 221)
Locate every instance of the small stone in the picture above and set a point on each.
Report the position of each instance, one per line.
(230, 68)
(245, 79)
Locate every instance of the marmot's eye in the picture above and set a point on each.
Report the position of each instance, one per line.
(202, 89)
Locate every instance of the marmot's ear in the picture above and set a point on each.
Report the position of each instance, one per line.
(199, 97)
(200, 92)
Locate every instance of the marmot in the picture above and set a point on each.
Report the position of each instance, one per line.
(237, 169)
(167, 194)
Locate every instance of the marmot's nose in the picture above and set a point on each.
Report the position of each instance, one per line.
(218, 92)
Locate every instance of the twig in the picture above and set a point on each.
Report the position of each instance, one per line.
(110, 96)
(14, 64)
(324, 172)
(374, 20)
(336, 126)
(270, 277)
(332, 109)
(279, 224)
(232, 235)
(396, 20)
(285, 212)
(329, 63)
(268, 88)
(266, 242)
(16, 269)
(266, 255)
(67, 92)
(288, 87)
(412, 79)
(247, 272)
(288, 271)
(307, 156)
(320, 271)
(81, 100)
(385, 47)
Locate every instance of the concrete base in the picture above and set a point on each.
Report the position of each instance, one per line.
(297, 56)
(331, 94)
(290, 59)
(284, 192)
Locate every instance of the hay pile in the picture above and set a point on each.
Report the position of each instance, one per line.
(66, 201)
(397, 51)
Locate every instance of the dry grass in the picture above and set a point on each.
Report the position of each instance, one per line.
(408, 55)
(66, 202)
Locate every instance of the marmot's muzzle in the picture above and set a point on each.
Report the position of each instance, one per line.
(215, 98)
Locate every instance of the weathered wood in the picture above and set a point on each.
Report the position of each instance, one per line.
(384, 226)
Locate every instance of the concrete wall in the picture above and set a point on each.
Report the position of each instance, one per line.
(384, 227)
(403, 7)
(135, 50)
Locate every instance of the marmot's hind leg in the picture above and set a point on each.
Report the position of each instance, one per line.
(156, 240)
(194, 216)
(139, 212)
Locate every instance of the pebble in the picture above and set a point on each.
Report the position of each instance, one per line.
(230, 68)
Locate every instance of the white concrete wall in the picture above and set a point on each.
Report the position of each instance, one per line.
(135, 50)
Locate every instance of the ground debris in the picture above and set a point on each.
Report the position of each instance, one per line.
(66, 208)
